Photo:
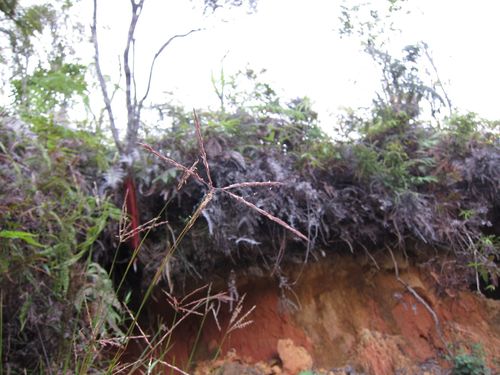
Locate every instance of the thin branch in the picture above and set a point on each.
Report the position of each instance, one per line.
(116, 88)
(157, 54)
(102, 82)
(439, 82)
(134, 76)
(5, 31)
(132, 120)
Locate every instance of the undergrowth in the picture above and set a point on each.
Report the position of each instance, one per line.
(405, 183)
(51, 220)
(260, 185)
(470, 363)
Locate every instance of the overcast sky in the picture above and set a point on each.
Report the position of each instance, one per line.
(298, 43)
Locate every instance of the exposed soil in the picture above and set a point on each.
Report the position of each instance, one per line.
(348, 314)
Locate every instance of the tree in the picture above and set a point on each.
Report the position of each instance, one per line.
(408, 81)
(135, 100)
(43, 80)
(134, 105)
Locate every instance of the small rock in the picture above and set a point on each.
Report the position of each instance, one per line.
(264, 367)
(294, 358)
(276, 370)
(235, 368)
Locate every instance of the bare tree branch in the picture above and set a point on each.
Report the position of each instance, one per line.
(157, 54)
(102, 82)
(132, 118)
(134, 106)
(439, 82)
(5, 31)
(134, 82)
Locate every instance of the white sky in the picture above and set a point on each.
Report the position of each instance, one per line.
(297, 42)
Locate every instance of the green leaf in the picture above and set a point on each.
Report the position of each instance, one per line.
(23, 313)
(166, 176)
(29, 238)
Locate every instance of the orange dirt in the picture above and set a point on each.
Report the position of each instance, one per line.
(349, 313)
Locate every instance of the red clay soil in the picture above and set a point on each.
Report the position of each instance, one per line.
(348, 313)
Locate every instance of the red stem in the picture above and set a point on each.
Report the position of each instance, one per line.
(132, 210)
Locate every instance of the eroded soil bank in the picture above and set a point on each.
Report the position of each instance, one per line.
(340, 312)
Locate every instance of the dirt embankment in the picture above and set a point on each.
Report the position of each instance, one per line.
(343, 312)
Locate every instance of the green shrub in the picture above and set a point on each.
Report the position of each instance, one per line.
(470, 363)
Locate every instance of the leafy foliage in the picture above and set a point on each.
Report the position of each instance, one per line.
(41, 94)
(42, 81)
(470, 363)
(26, 22)
(50, 223)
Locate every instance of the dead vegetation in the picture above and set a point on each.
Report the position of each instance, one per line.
(398, 185)
(248, 188)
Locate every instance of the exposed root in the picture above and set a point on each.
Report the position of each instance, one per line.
(423, 302)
